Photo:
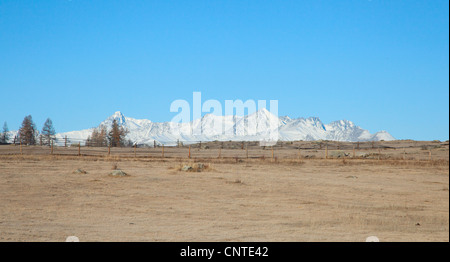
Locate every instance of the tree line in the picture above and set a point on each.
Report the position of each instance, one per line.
(115, 137)
(29, 135)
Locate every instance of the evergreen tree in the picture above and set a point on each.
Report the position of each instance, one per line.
(4, 136)
(27, 132)
(48, 132)
(117, 135)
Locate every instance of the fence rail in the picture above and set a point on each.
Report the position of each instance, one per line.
(245, 150)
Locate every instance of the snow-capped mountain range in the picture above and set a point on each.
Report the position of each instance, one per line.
(253, 127)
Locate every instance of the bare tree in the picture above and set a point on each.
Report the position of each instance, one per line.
(103, 136)
(98, 137)
(93, 138)
(88, 141)
(27, 132)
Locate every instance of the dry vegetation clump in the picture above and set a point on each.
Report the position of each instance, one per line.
(236, 181)
(194, 167)
(79, 171)
(114, 166)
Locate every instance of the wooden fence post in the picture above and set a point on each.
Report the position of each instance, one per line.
(51, 151)
(109, 150)
(220, 152)
(430, 155)
(21, 147)
(272, 152)
(326, 152)
(354, 153)
(246, 151)
(135, 150)
(79, 148)
(65, 141)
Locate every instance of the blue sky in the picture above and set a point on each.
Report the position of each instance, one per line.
(381, 64)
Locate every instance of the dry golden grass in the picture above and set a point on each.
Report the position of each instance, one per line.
(237, 199)
(114, 166)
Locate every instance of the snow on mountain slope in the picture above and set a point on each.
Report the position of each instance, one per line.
(11, 135)
(254, 127)
(73, 137)
(345, 130)
(382, 135)
(303, 129)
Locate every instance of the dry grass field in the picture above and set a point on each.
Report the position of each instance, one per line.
(397, 191)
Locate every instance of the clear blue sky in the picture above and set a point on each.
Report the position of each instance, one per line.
(382, 64)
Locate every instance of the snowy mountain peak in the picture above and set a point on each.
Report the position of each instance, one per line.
(313, 120)
(118, 116)
(236, 128)
(263, 111)
(285, 118)
(383, 135)
(342, 124)
(209, 116)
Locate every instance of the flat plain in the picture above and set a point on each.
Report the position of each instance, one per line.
(299, 191)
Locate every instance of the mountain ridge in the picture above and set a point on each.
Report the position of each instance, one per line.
(235, 128)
